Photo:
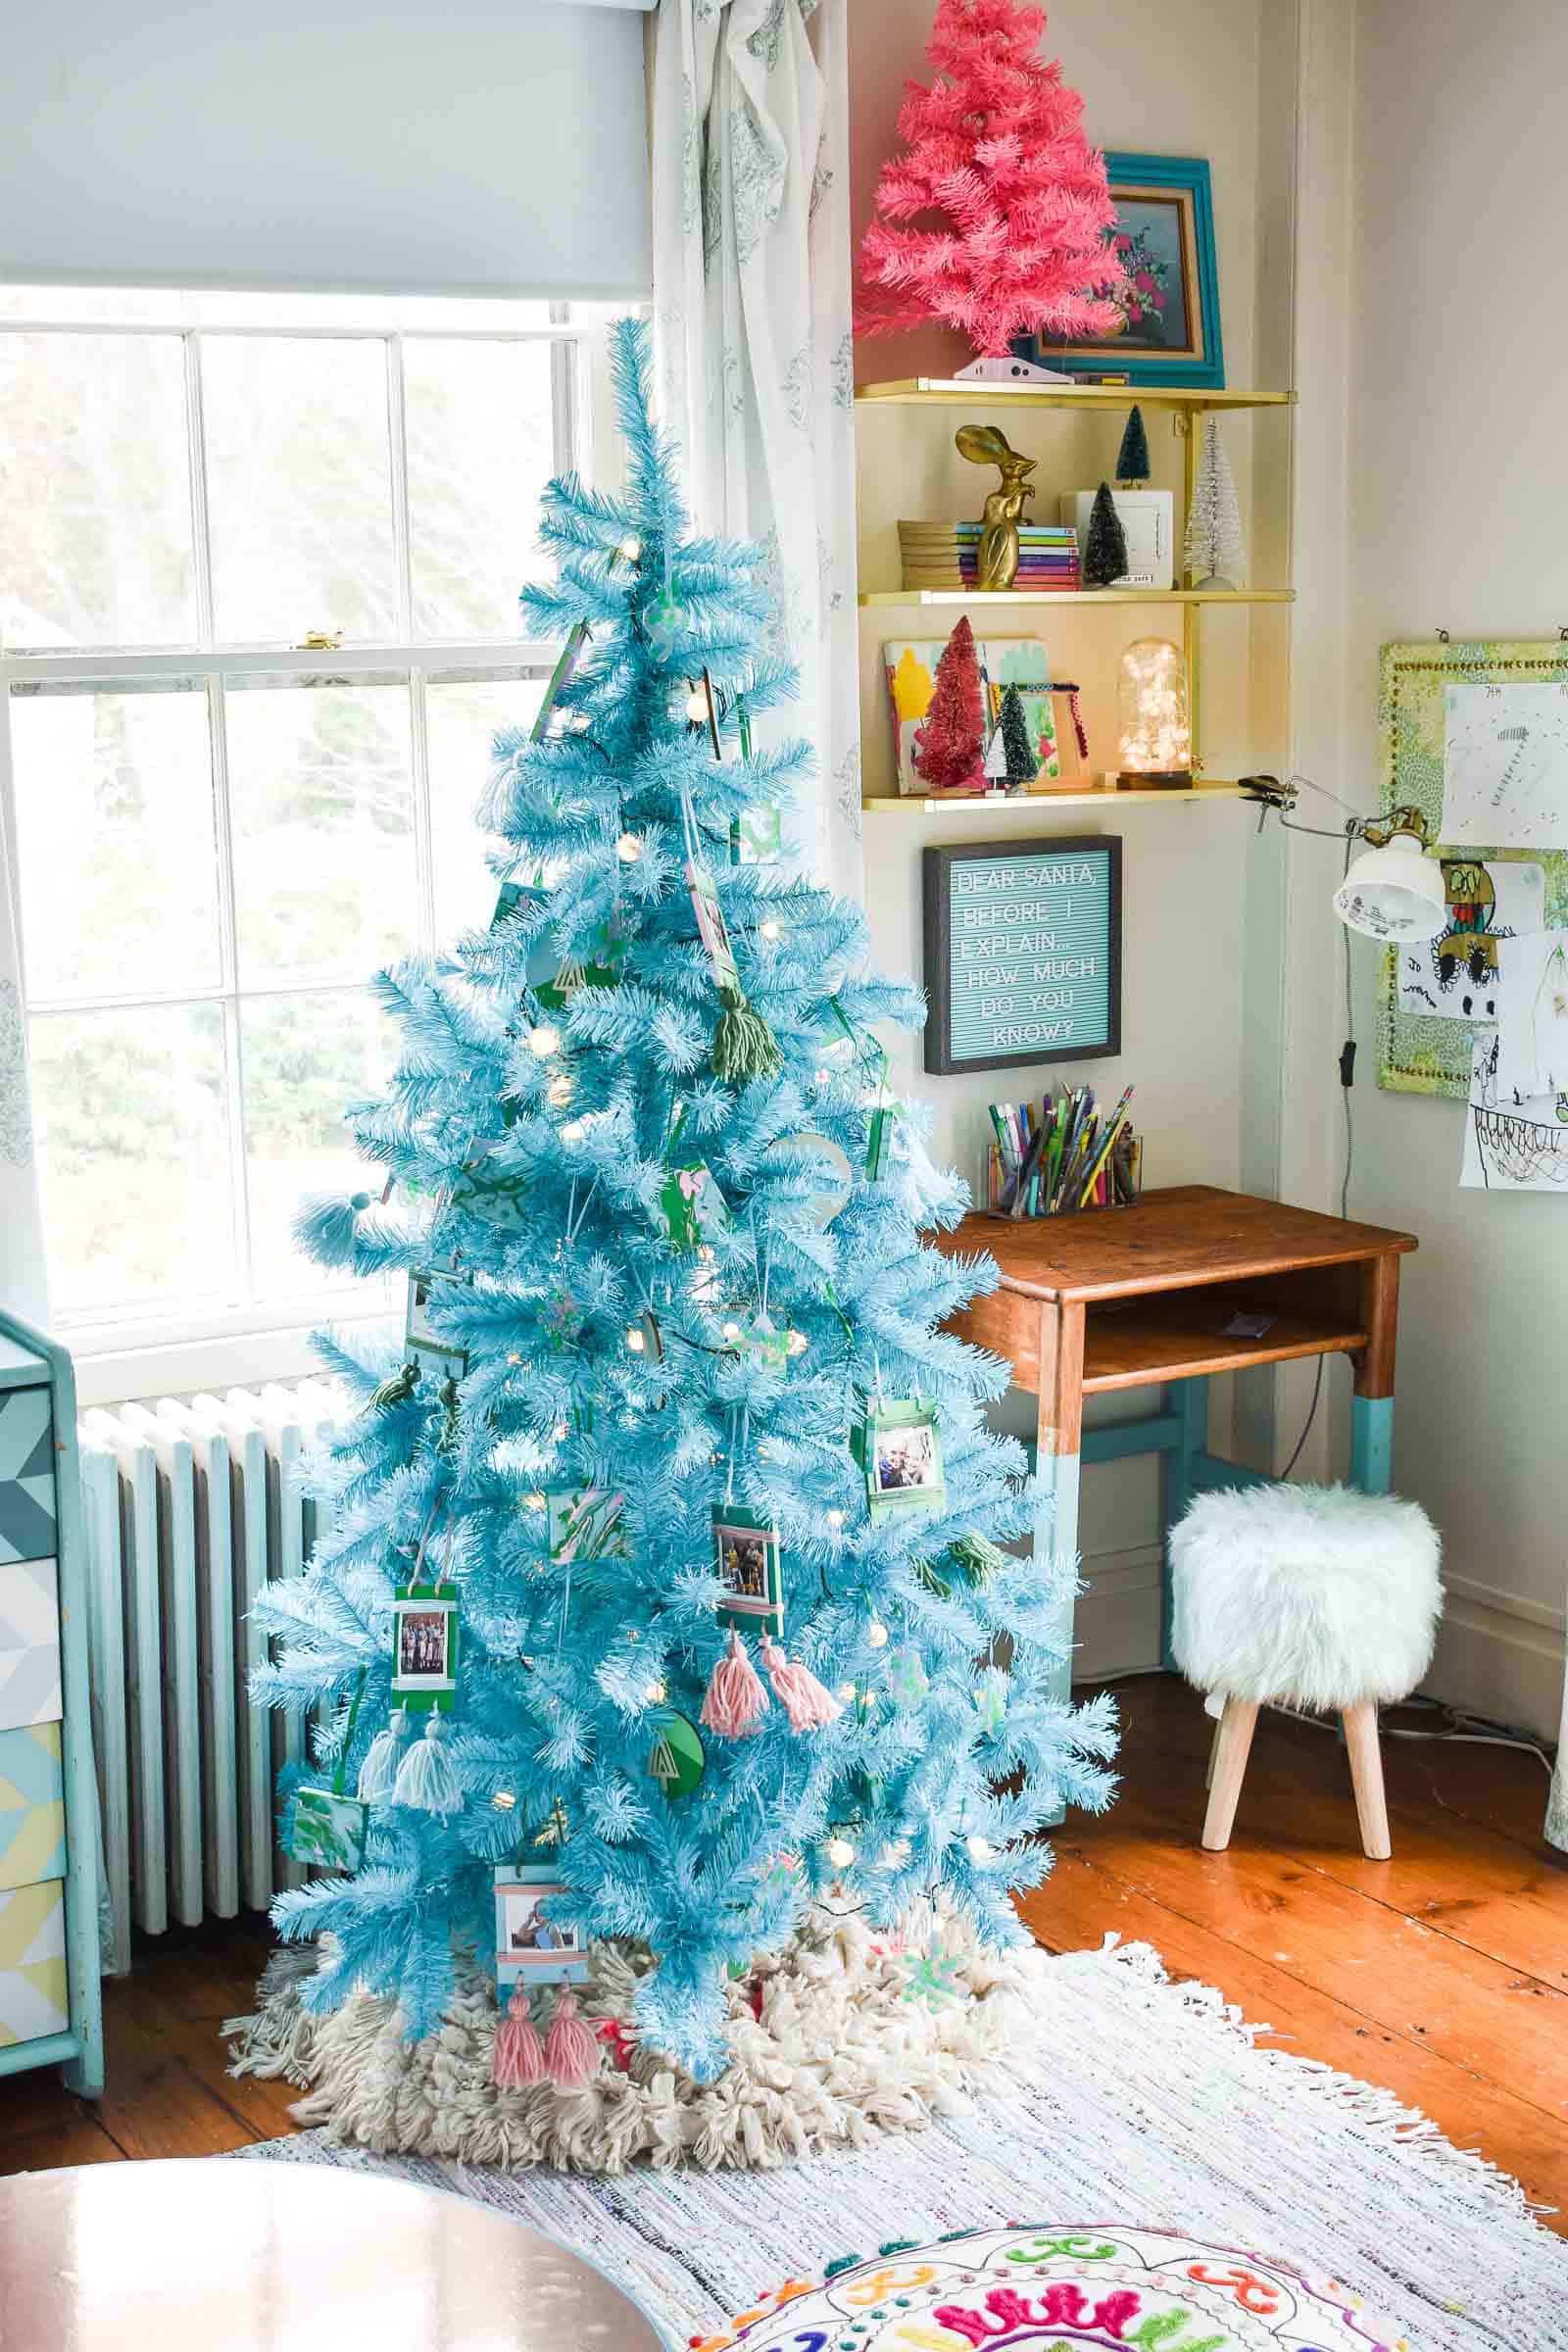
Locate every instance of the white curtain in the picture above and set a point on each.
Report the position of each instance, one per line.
(23, 1287)
(750, 189)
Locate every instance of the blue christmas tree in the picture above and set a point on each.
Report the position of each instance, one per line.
(665, 1553)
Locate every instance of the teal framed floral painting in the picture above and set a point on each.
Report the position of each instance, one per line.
(1169, 331)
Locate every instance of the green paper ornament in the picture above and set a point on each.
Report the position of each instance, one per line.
(678, 1759)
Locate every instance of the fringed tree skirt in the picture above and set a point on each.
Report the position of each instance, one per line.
(838, 2038)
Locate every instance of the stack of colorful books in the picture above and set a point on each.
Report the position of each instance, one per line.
(946, 555)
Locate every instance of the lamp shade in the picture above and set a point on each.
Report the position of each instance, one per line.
(1394, 892)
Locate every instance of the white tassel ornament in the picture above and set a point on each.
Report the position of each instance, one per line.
(379, 1772)
(426, 1782)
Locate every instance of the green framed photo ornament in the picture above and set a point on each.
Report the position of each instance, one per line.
(426, 1636)
(899, 1451)
(531, 1948)
(749, 1559)
(692, 1206)
(441, 1358)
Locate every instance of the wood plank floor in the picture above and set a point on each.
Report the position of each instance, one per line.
(1443, 1975)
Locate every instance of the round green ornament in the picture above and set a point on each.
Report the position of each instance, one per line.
(676, 1759)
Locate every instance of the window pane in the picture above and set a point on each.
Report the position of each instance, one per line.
(461, 721)
(134, 1156)
(321, 806)
(480, 450)
(298, 488)
(114, 828)
(95, 536)
(306, 1058)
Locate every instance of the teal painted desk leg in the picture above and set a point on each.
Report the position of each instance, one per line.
(1188, 1401)
(1371, 1444)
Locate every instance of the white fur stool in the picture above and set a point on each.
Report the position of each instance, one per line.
(1306, 1596)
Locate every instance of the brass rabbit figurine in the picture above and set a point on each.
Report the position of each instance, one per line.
(997, 565)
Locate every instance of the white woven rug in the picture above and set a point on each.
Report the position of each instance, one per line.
(1132, 2099)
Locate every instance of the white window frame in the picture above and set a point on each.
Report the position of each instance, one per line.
(136, 1351)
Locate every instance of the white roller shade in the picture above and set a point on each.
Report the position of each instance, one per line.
(406, 146)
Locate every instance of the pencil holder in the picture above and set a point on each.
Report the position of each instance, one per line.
(1048, 1191)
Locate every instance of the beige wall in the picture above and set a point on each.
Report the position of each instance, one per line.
(1202, 898)
(1456, 521)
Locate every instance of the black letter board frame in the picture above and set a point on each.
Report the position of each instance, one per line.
(937, 866)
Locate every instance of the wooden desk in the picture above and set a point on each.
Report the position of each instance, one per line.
(1133, 1297)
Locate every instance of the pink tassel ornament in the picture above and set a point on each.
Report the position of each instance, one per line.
(571, 2054)
(736, 1701)
(519, 2058)
(801, 1696)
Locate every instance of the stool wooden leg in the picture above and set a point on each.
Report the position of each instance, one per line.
(1366, 1771)
(1233, 1748)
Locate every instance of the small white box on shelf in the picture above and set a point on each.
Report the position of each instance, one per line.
(1148, 518)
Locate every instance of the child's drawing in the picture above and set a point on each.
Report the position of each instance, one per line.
(1505, 766)
(1454, 976)
(1512, 1143)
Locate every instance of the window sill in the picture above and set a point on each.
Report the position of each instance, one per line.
(108, 1371)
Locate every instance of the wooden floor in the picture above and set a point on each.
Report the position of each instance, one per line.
(1443, 1974)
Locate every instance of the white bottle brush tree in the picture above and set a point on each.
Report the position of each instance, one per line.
(1215, 552)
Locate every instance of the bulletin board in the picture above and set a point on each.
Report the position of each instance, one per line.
(1430, 1052)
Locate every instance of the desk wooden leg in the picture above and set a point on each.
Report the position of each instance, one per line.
(1188, 1402)
(1058, 1440)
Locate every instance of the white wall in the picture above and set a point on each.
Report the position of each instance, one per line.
(1181, 79)
(1456, 521)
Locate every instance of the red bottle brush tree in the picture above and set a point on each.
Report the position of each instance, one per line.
(995, 221)
(949, 747)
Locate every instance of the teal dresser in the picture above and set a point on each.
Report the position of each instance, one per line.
(50, 2010)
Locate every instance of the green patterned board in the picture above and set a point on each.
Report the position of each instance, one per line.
(1418, 1054)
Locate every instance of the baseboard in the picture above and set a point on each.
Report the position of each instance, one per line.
(1501, 1654)
(1117, 1621)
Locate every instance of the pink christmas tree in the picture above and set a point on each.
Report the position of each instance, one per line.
(997, 151)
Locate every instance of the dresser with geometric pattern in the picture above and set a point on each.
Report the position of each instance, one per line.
(50, 2011)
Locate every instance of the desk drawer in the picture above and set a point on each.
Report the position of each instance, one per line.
(32, 1963)
(29, 1644)
(26, 1475)
(32, 1811)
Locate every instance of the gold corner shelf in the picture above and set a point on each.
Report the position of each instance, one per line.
(1091, 796)
(1041, 600)
(950, 392)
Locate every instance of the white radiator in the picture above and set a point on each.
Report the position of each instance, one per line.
(189, 1509)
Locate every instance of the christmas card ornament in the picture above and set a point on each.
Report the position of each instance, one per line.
(550, 721)
(997, 217)
(678, 1759)
(664, 617)
(900, 1449)
(571, 2053)
(1214, 551)
(1132, 459)
(328, 1826)
(440, 1359)
(692, 1206)
(749, 1560)
(735, 1701)
(756, 836)
(531, 1946)
(586, 1523)
(485, 1188)
(426, 1782)
(380, 1771)
(1040, 2286)
(328, 1829)
(759, 1337)
(1105, 546)
(909, 1684)
(881, 1127)
(949, 747)
(990, 1704)
(518, 2060)
(561, 1318)
(809, 1706)
(425, 1646)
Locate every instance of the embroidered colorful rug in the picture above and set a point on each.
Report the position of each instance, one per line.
(1055, 2288)
(1125, 2095)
